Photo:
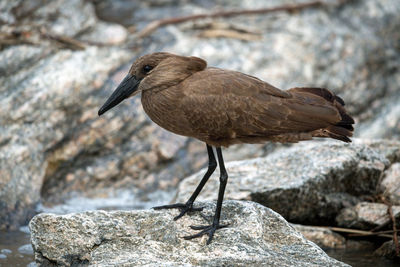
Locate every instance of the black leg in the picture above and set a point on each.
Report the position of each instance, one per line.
(210, 229)
(188, 206)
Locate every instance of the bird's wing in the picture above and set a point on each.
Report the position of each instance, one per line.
(214, 81)
(226, 104)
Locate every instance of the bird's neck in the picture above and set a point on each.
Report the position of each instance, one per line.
(163, 82)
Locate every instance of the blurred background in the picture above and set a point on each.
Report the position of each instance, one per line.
(60, 60)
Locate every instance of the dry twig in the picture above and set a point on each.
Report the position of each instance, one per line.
(64, 40)
(355, 232)
(152, 26)
(15, 38)
(35, 36)
(370, 233)
(393, 219)
(395, 239)
(226, 33)
(213, 29)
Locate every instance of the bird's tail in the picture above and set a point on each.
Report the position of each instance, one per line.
(343, 129)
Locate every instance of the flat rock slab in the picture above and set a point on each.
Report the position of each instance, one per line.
(256, 236)
(308, 183)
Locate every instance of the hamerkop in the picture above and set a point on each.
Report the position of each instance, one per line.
(223, 107)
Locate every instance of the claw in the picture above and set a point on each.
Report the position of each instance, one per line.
(206, 229)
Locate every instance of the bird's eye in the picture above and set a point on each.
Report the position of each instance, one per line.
(147, 68)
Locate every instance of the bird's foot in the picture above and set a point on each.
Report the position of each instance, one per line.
(206, 230)
(183, 207)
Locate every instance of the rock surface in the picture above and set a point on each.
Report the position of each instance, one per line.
(390, 184)
(256, 236)
(388, 250)
(52, 144)
(308, 183)
(321, 236)
(45, 102)
(366, 215)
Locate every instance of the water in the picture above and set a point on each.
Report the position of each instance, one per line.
(360, 258)
(120, 200)
(15, 248)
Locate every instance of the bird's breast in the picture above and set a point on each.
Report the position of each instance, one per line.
(163, 108)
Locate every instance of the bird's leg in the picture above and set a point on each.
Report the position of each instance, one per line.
(210, 229)
(188, 206)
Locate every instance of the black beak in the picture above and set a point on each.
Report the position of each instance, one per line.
(126, 88)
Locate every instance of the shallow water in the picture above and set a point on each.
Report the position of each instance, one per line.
(360, 258)
(119, 200)
(14, 250)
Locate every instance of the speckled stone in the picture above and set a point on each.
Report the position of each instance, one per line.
(256, 236)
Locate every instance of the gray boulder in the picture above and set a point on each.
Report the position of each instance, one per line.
(366, 215)
(256, 236)
(48, 96)
(308, 183)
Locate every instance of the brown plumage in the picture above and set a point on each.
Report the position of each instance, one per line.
(222, 107)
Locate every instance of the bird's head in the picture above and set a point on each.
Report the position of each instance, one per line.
(157, 71)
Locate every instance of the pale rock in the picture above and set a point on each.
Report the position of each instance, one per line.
(256, 236)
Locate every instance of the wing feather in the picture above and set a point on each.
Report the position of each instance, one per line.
(223, 104)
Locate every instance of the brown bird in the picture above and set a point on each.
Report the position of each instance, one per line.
(223, 107)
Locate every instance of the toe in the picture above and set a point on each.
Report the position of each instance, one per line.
(180, 215)
(197, 209)
(196, 235)
(172, 206)
(199, 227)
(210, 236)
